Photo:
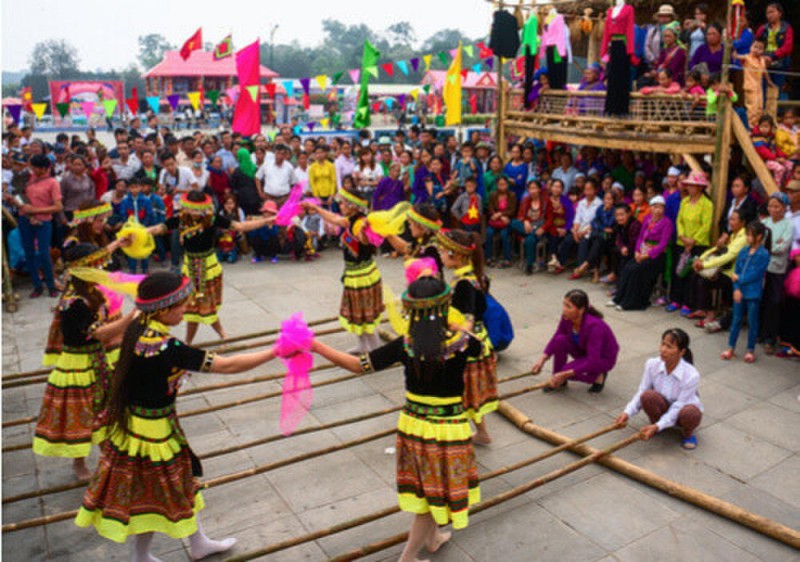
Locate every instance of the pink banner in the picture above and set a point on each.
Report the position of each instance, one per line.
(247, 114)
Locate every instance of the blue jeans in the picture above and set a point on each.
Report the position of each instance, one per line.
(145, 265)
(530, 240)
(752, 307)
(36, 244)
(505, 238)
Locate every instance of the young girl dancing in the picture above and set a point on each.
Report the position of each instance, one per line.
(437, 476)
(362, 299)
(198, 225)
(461, 252)
(147, 477)
(71, 419)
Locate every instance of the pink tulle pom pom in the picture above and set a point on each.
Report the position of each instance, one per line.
(420, 268)
(373, 237)
(295, 336)
(293, 347)
(114, 300)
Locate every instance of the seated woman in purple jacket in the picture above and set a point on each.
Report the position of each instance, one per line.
(583, 335)
(390, 190)
(640, 274)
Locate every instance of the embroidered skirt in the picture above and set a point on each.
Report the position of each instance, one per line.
(72, 417)
(206, 273)
(480, 380)
(362, 299)
(436, 468)
(144, 482)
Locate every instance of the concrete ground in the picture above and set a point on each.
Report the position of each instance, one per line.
(748, 452)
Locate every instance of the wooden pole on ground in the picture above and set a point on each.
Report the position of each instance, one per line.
(760, 524)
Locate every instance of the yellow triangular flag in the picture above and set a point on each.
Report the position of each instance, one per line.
(253, 91)
(373, 70)
(427, 59)
(415, 93)
(194, 99)
(324, 122)
(451, 94)
(322, 80)
(38, 109)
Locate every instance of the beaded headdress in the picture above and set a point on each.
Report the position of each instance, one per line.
(165, 301)
(446, 242)
(424, 221)
(204, 206)
(353, 199)
(84, 214)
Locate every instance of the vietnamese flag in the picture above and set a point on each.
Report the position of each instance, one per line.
(193, 43)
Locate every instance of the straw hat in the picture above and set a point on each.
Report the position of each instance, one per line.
(665, 10)
(697, 178)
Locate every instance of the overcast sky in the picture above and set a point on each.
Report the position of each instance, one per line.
(105, 31)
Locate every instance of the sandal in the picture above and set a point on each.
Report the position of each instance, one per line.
(749, 357)
(700, 324)
(727, 355)
(695, 314)
(689, 443)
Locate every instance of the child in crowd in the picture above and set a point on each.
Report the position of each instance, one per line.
(265, 241)
(639, 206)
(502, 210)
(229, 239)
(467, 207)
(714, 91)
(748, 282)
(694, 91)
(764, 143)
(311, 223)
(529, 223)
(137, 204)
(666, 85)
(787, 137)
(755, 66)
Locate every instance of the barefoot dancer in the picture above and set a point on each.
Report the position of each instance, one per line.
(461, 252)
(198, 226)
(146, 480)
(70, 420)
(437, 476)
(362, 299)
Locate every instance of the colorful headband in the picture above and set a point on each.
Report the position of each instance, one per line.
(203, 206)
(436, 305)
(423, 221)
(97, 260)
(353, 199)
(451, 245)
(82, 214)
(160, 303)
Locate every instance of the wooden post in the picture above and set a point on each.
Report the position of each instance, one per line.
(499, 128)
(722, 149)
(757, 523)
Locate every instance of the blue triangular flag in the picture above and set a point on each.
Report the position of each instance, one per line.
(153, 102)
(288, 85)
(403, 66)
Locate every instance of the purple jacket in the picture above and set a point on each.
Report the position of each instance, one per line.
(418, 192)
(595, 339)
(654, 238)
(387, 194)
(675, 61)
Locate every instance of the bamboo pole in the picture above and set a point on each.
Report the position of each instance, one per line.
(265, 440)
(494, 500)
(203, 345)
(700, 499)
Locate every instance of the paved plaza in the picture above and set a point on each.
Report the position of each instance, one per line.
(748, 451)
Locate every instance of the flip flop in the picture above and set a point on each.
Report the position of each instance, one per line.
(689, 443)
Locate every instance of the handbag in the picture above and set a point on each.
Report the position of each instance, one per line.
(684, 266)
(711, 272)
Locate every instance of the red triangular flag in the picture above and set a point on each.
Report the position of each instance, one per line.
(271, 90)
(193, 43)
(306, 102)
(133, 105)
(388, 68)
(464, 74)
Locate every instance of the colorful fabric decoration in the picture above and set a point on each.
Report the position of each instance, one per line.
(369, 58)
(193, 43)
(117, 282)
(142, 242)
(291, 208)
(224, 48)
(247, 113)
(381, 224)
(293, 346)
(83, 214)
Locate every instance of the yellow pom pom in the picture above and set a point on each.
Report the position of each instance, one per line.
(142, 242)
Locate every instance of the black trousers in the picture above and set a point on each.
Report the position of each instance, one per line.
(771, 307)
(556, 71)
(678, 291)
(637, 281)
(619, 79)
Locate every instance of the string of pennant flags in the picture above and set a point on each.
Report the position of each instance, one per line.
(323, 81)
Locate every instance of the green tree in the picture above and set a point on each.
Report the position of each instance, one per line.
(10, 90)
(55, 58)
(152, 48)
(401, 34)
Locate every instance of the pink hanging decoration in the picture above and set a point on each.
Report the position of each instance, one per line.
(293, 347)
(291, 208)
(792, 283)
(422, 267)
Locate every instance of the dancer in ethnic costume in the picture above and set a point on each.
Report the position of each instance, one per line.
(461, 252)
(89, 227)
(198, 224)
(362, 299)
(71, 418)
(423, 224)
(146, 480)
(437, 475)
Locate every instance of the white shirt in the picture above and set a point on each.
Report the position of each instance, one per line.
(269, 158)
(796, 229)
(184, 180)
(585, 213)
(301, 176)
(126, 170)
(277, 180)
(679, 388)
(370, 173)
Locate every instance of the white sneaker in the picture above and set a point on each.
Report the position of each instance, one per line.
(611, 304)
(619, 307)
